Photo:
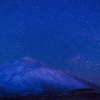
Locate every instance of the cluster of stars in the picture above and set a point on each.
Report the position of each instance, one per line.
(62, 33)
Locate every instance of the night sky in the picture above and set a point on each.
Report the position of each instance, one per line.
(61, 33)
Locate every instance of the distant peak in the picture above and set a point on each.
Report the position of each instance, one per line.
(29, 59)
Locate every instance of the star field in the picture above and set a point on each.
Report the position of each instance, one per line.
(60, 33)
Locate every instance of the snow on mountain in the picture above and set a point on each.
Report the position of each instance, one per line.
(27, 77)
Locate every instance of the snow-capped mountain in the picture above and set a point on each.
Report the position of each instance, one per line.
(28, 77)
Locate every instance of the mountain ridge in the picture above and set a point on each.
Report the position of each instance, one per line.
(28, 77)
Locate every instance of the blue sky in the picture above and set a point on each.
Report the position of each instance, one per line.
(60, 33)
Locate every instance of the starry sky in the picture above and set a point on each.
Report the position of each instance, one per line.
(60, 33)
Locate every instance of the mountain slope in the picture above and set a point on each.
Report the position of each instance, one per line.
(28, 77)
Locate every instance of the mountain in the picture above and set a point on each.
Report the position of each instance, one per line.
(26, 77)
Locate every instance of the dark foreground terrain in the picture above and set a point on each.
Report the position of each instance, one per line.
(82, 94)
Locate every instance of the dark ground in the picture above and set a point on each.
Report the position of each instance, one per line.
(83, 94)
